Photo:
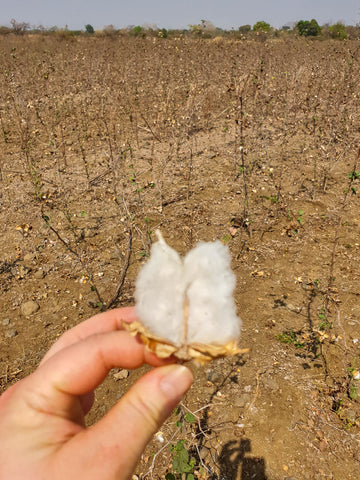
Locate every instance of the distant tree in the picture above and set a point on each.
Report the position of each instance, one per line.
(138, 31)
(244, 29)
(308, 29)
(208, 26)
(109, 31)
(353, 32)
(39, 29)
(163, 33)
(338, 31)
(262, 26)
(196, 29)
(19, 28)
(314, 28)
(206, 29)
(89, 29)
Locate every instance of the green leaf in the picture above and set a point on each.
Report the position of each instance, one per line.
(181, 461)
(180, 445)
(189, 417)
(354, 175)
(288, 337)
(192, 462)
(226, 239)
(353, 392)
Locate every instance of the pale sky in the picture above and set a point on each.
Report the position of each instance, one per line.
(176, 14)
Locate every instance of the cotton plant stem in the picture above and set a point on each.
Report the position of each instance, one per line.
(337, 231)
(114, 299)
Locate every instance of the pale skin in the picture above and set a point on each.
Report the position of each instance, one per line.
(42, 417)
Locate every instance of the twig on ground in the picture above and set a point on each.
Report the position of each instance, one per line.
(196, 416)
(150, 471)
(214, 476)
(11, 374)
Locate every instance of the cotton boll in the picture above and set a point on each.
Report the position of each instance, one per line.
(193, 297)
(159, 293)
(209, 289)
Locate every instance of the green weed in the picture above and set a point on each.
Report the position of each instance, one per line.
(354, 175)
(324, 322)
(182, 461)
(290, 338)
(226, 239)
(300, 217)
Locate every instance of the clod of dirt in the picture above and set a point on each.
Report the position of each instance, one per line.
(242, 400)
(121, 375)
(23, 271)
(39, 274)
(29, 308)
(29, 259)
(213, 376)
(11, 333)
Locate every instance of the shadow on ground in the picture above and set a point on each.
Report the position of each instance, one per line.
(236, 465)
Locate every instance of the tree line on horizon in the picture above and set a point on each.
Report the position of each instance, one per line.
(205, 29)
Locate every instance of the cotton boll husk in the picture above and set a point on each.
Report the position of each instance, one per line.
(159, 293)
(210, 284)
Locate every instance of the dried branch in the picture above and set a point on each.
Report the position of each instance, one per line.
(114, 300)
(337, 232)
(75, 253)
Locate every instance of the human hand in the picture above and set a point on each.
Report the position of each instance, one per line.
(42, 430)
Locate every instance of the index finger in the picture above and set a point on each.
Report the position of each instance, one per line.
(101, 323)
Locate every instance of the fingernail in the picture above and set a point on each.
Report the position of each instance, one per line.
(176, 381)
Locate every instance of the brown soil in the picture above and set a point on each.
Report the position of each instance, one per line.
(253, 143)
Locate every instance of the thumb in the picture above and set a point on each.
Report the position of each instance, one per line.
(122, 435)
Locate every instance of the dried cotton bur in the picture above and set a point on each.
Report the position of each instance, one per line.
(186, 306)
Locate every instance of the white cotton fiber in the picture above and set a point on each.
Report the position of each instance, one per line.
(204, 279)
(210, 285)
(159, 293)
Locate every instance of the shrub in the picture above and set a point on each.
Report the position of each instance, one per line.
(19, 28)
(244, 29)
(308, 29)
(109, 31)
(262, 26)
(338, 31)
(89, 29)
